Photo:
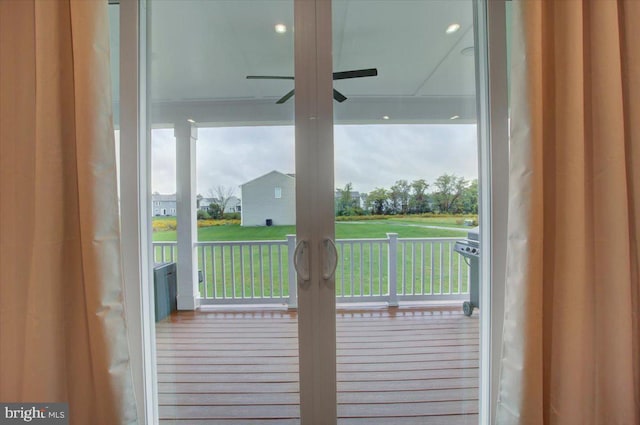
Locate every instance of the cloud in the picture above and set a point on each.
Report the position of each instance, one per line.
(368, 156)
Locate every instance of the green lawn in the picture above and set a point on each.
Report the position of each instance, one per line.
(406, 228)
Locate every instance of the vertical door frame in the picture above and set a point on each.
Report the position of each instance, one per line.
(315, 209)
(135, 203)
(493, 160)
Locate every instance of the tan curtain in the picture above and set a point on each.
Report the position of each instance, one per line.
(571, 333)
(62, 325)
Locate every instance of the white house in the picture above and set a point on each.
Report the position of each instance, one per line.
(269, 200)
(163, 204)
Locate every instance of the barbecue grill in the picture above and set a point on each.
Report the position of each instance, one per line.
(470, 249)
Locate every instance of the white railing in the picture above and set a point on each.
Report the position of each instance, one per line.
(165, 252)
(388, 269)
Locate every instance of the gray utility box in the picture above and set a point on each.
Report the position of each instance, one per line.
(470, 250)
(165, 290)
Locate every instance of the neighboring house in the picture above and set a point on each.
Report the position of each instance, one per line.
(234, 204)
(163, 204)
(269, 197)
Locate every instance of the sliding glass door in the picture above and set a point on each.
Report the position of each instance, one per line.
(246, 98)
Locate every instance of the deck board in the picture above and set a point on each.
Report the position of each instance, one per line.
(396, 366)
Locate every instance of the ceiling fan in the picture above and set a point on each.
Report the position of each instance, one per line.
(357, 73)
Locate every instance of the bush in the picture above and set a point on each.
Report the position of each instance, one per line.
(164, 224)
(231, 216)
(203, 215)
(211, 223)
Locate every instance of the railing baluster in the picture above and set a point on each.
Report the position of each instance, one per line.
(270, 272)
(423, 253)
(251, 277)
(280, 269)
(441, 270)
(361, 248)
(261, 275)
(380, 278)
(242, 282)
(450, 291)
(223, 277)
(352, 255)
(459, 291)
(404, 271)
(370, 268)
(201, 285)
(413, 267)
(214, 272)
(342, 269)
(232, 252)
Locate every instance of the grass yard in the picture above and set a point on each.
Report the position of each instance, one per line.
(406, 227)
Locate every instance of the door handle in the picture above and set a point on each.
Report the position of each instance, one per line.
(301, 261)
(330, 258)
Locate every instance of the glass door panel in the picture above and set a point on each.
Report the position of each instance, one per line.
(406, 189)
(222, 132)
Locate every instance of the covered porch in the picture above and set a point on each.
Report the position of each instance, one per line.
(409, 365)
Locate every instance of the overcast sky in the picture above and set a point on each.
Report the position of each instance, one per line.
(368, 156)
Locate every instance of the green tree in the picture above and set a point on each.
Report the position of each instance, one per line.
(399, 195)
(215, 211)
(447, 193)
(378, 200)
(346, 204)
(418, 202)
(469, 198)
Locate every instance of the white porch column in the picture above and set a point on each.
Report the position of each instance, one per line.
(186, 135)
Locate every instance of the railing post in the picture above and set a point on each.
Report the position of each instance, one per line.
(392, 257)
(293, 286)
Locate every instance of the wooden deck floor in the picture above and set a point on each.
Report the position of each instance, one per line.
(395, 367)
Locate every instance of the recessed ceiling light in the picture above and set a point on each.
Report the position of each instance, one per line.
(280, 28)
(191, 121)
(452, 28)
(455, 117)
(467, 51)
(385, 117)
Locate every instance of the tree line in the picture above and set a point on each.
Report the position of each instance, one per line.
(448, 194)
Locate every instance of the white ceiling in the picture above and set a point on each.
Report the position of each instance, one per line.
(202, 51)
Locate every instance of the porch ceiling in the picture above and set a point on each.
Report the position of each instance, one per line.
(201, 52)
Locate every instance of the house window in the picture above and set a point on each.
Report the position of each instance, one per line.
(278, 192)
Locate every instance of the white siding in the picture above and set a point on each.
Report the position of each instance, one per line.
(259, 202)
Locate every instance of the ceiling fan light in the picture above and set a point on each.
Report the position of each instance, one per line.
(452, 28)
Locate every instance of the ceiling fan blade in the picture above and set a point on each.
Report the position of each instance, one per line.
(286, 97)
(268, 77)
(357, 73)
(339, 96)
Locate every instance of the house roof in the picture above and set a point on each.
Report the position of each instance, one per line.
(291, 176)
(158, 197)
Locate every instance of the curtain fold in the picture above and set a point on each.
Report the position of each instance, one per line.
(571, 332)
(62, 321)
